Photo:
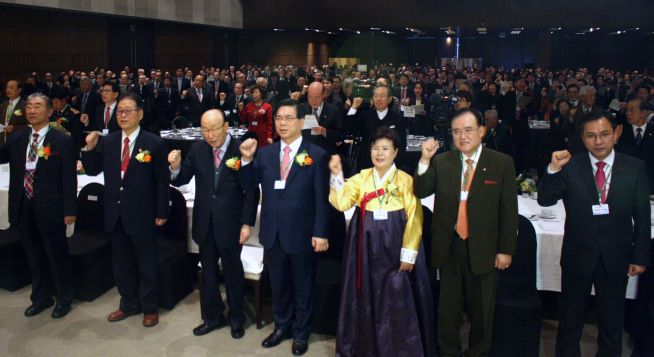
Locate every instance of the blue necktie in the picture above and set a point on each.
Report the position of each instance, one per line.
(639, 136)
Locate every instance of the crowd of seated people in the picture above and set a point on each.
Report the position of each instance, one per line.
(514, 96)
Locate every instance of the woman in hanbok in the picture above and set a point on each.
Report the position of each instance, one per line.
(386, 306)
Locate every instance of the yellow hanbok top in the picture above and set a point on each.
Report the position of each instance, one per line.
(398, 194)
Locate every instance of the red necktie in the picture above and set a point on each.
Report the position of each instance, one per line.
(124, 158)
(600, 179)
(107, 116)
(28, 182)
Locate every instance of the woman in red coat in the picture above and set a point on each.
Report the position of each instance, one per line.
(258, 116)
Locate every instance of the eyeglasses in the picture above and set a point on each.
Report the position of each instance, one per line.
(466, 131)
(280, 119)
(593, 136)
(125, 111)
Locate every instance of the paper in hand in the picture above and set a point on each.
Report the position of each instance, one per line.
(310, 122)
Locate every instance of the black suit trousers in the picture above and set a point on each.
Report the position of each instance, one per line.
(461, 290)
(47, 253)
(212, 303)
(292, 277)
(610, 298)
(135, 270)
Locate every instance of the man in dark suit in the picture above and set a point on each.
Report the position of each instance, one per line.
(12, 110)
(637, 139)
(85, 99)
(585, 106)
(136, 178)
(498, 135)
(67, 117)
(294, 221)
(233, 104)
(42, 201)
(329, 134)
(223, 214)
(404, 91)
(105, 113)
(368, 121)
(607, 232)
(197, 100)
(473, 232)
(180, 82)
(167, 103)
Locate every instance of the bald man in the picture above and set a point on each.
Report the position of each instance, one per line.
(329, 132)
(223, 215)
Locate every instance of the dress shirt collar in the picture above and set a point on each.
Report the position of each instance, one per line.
(474, 157)
(112, 106)
(608, 160)
(41, 133)
(12, 103)
(295, 146)
(642, 132)
(381, 115)
(225, 145)
(319, 109)
(132, 136)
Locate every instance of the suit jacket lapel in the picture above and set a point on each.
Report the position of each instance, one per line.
(224, 170)
(46, 141)
(617, 171)
(588, 177)
(294, 167)
(455, 174)
(480, 172)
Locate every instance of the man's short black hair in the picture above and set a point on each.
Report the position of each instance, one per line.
(475, 113)
(133, 97)
(464, 94)
(58, 92)
(114, 86)
(289, 103)
(594, 116)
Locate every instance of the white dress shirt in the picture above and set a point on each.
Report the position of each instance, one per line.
(132, 141)
(42, 134)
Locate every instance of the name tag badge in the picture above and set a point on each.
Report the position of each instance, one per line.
(464, 196)
(600, 210)
(105, 131)
(30, 165)
(380, 215)
(254, 123)
(280, 185)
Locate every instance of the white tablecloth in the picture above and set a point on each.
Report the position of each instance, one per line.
(549, 233)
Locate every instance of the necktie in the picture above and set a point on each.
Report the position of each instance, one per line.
(107, 116)
(462, 218)
(315, 112)
(403, 93)
(639, 136)
(285, 167)
(84, 99)
(600, 179)
(124, 158)
(10, 111)
(216, 157)
(28, 182)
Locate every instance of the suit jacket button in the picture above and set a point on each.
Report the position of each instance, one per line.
(121, 188)
(118, 202)
(213, 196)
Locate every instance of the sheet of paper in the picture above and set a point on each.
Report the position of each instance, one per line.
(419, 109)
(615, 105)
(409, 111)
(310, 122)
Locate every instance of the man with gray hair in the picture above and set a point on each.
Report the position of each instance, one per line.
(498, 135)
(42, 202)
(587, 96)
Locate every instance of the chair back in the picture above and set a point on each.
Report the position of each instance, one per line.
(176, 227)
(523, 263)
(90, 208)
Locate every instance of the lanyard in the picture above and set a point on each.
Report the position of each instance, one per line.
(601, 192)
(374, 184)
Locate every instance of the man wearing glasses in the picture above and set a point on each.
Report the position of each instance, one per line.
(294, 225)
(474, 229)
(136, 196)
(607, 232)
(105, 114)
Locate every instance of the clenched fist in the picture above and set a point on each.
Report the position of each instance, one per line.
(335, 165)
(92, 140)
(429, 149)
(357, 102)
(175, 159)
(248, 148)
(559, 159)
